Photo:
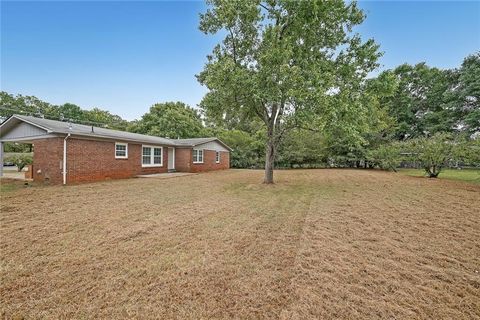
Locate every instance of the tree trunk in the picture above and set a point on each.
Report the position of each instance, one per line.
(273, 138)
(433, 171)
(269, 160)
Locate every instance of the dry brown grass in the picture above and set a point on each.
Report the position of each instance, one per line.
(320, 244)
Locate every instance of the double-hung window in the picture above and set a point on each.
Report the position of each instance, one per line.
(217, 156)
(197, 156)
(121, 150)
(152, 156)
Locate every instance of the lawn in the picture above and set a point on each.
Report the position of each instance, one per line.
(324, 244)
(468, 175)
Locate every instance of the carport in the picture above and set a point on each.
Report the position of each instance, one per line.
(19, 130)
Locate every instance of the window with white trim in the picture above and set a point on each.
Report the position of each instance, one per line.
(197, 155)
(121, 150)
(152, 156)
(217, 156)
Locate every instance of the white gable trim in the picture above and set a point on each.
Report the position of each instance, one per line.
(212, 145)
(23, 120)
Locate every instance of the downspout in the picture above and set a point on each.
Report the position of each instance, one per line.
(65, 159)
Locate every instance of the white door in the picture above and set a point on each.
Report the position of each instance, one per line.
(171, 158)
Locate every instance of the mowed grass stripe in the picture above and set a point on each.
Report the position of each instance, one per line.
(318, 244)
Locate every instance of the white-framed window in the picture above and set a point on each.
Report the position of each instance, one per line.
(152, 156)
(197, 155)
(217, 156)
(121, 150)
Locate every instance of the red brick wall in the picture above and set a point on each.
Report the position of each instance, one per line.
(184, 161)
(47, 160)
(88, 160)
(209, 163)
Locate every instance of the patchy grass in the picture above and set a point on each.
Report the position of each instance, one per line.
(319, 244)
(7, 185)
(467, 175)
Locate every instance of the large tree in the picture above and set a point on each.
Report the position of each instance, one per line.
(348, 145)
(465, 95)
(170, 119)
(418, 103)
(284, 62)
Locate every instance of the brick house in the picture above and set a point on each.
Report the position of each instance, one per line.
(69, 153)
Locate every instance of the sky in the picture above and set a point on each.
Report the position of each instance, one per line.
(125, 56)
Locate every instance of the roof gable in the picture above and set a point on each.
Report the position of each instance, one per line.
(16, 129)
(200, 141)
(59, 127)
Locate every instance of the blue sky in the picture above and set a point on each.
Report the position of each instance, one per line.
(125, 56)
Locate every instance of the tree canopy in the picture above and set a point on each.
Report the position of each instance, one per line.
(30, 105)
(284, 62)
(170, 119)
(367, 123)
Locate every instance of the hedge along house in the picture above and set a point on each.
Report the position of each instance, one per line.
(68, 153)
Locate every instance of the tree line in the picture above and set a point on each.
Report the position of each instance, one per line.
(409, 107)
(289, 86)
(412, 107)
(408, 114)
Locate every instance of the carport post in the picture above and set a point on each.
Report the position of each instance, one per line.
(1, 159)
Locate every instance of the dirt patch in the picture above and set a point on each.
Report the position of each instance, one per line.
(319, 244)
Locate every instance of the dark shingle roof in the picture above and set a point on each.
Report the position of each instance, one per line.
(90, 131)
(54, 126)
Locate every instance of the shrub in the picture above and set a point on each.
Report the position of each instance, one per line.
(472, 153)
(386, 157)
(433, 152)
(20, 160)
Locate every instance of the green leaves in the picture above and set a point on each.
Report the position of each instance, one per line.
(170, 119)
(20, 160)
(281, 60)
(433, 153)
(282, 53)
(386, 156)
(30, 105)
(429, 100)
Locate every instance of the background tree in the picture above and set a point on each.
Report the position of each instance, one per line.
(464, 96)
(473, 153)
(418, 103)
(248, 148)
(170, 119)
(433, 153)
(302, 148)
(370, 126)
(386, 156)
(32, 106)
(283, 61)
(10, 104)
(111, 121)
